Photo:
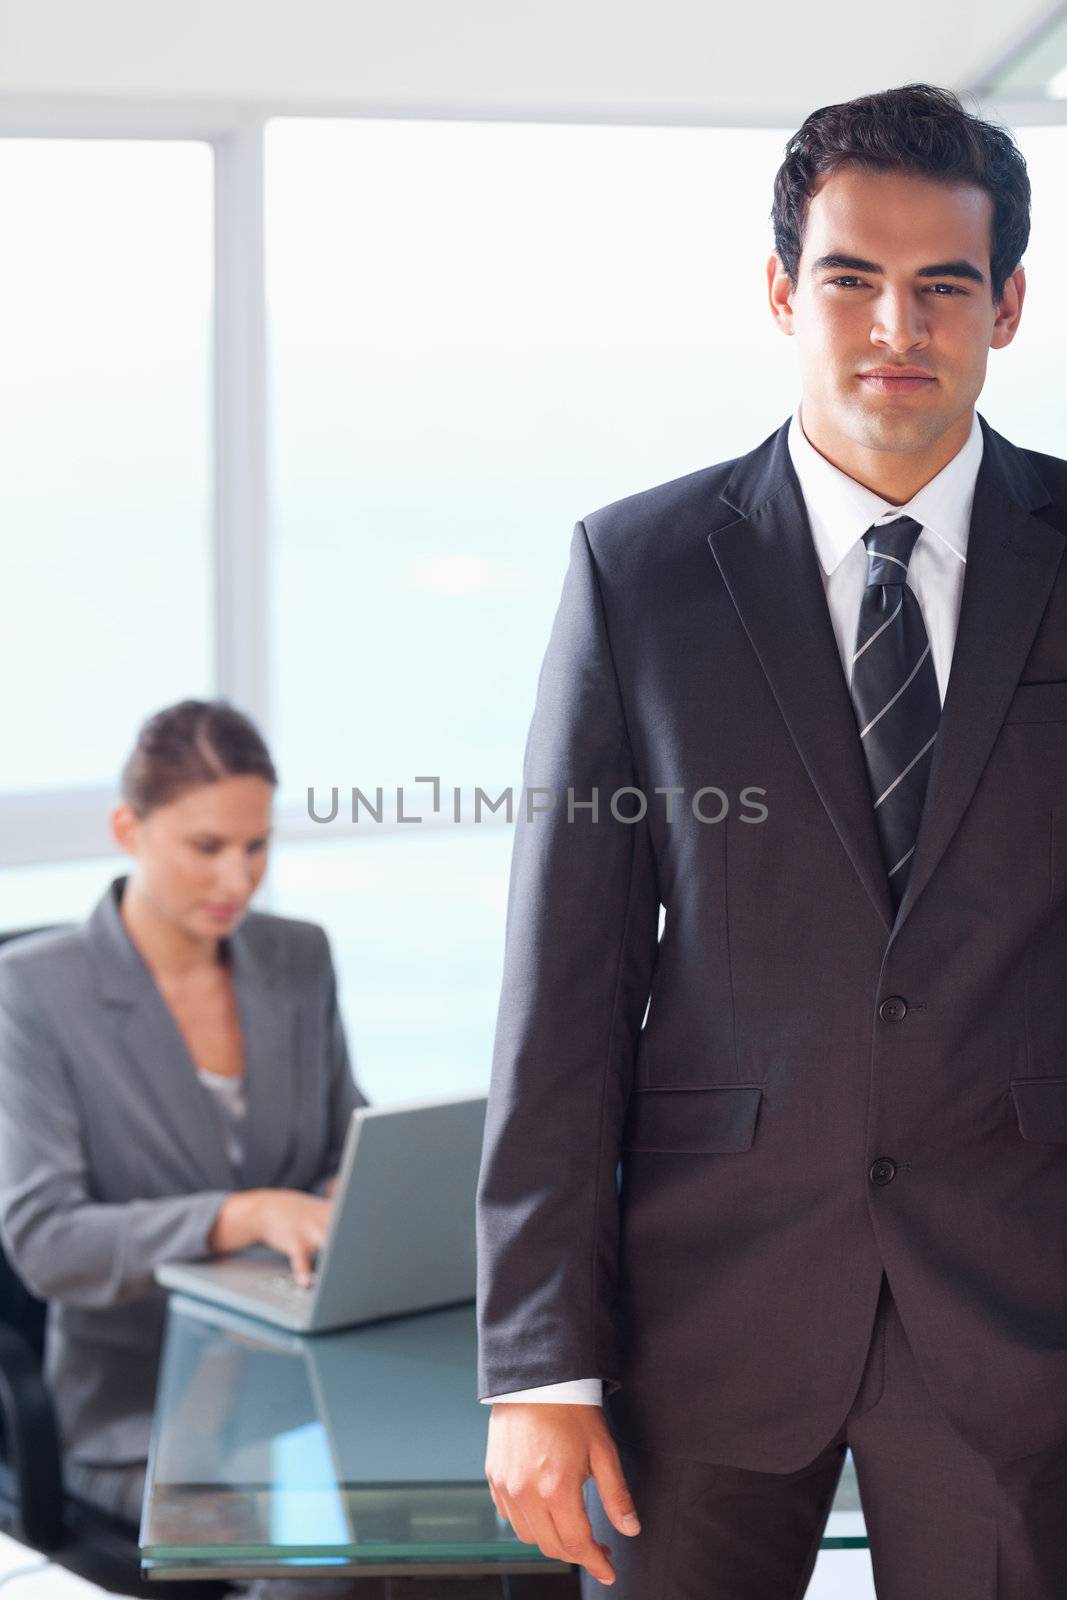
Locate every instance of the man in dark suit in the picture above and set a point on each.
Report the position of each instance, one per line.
(816, 1197)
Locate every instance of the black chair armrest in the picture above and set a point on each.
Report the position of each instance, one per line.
(32, 1442)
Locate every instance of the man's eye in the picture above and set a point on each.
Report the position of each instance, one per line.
(952, 288)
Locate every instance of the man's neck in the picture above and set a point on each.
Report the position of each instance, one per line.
(893, 475)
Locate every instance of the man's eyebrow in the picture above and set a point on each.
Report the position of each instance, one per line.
(940, 269)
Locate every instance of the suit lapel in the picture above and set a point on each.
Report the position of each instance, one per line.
(153, 1049)
(768, 563)
(269, 1019)
(156, 1053)
(1012, 561)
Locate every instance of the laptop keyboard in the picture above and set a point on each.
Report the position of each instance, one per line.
(254, 1278)
(285, 1283)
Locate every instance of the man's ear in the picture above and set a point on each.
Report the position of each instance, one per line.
(780, 295)
(1009, 310)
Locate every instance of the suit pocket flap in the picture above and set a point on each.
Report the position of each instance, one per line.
(716, 1118)
(1041, 1107)
(1039, 702)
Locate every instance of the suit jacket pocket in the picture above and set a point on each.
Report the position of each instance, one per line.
(1039, 702)
(1041, 1107)
(713, 1119)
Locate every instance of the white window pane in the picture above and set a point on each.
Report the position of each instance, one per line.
(480, 332)
(105, 385)
(1023, 395)
(417, 930)
(57, 891)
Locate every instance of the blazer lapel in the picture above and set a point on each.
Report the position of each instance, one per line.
(1012, 561)
(768, 562)
(269, 1017)
(154, 1050)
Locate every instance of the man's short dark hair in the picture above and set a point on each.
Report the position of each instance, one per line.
(916, 129)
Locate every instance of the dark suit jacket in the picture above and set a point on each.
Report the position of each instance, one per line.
(689, 1205)
(112, 1154)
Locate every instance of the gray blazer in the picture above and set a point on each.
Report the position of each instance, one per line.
(112, 1153)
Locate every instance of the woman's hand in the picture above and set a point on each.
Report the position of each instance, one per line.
(288, 1220)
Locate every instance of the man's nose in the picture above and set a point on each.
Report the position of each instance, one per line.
(899, 321)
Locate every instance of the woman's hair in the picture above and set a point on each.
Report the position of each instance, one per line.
(189, 744)
(916, 129)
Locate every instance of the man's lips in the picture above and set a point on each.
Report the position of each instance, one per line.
(890, 380)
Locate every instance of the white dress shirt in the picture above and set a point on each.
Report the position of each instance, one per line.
(840, 511)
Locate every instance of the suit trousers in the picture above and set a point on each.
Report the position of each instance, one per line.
(942, 1522)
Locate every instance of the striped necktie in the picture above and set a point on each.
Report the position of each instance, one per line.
(895, 695)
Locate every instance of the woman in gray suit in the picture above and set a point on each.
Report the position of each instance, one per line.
(174, 1083)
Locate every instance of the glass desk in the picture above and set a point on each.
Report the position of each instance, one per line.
(357, 1452)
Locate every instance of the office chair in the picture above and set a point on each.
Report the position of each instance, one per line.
(34, 1507)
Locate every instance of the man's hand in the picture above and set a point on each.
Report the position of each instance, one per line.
(538, 1458)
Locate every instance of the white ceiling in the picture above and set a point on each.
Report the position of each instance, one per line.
(765, 61)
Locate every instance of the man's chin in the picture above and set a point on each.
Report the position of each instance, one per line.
(891, 428)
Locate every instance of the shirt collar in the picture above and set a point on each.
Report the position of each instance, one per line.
(841, 510)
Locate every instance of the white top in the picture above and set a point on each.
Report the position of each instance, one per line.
(840, 511)
(229, 1095)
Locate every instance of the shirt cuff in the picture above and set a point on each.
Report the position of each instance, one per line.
(574, 1392)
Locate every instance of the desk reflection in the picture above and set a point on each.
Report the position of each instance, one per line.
(350, 1451)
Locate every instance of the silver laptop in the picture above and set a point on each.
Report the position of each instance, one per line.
(401, 1231)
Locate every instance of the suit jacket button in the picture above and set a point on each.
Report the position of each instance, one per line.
(883, 1170)
(893, 1009)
